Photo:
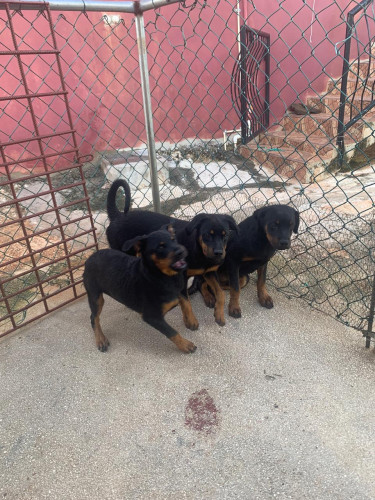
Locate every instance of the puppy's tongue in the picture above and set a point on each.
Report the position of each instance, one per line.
(179, 264)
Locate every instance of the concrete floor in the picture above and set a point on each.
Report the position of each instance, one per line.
(279, 404)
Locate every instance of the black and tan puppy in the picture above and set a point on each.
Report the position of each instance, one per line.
(260, 235)
(150, 285)
(205, 237)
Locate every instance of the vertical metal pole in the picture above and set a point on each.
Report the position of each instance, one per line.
(343, 92)
(238, 13)
(267, 75)
(244, 82)
(142, 53)
(371, 316)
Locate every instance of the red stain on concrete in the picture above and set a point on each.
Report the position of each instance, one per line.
(201, 413)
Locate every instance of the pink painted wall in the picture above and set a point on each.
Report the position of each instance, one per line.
(190, 63)
(305, 36)
(190, 54)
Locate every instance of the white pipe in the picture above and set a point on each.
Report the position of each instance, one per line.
(225, 135)
(238, 11)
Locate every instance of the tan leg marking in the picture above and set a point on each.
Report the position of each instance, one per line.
(183, 344)
(234, 303)
(219, 299)
(190, 320)
(208, 298)
(100, 339)
(264, 297)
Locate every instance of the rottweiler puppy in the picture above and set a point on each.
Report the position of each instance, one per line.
(150, 285)
(205, 237)
(259, 236)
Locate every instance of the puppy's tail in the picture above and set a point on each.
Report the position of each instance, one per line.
(112, 210)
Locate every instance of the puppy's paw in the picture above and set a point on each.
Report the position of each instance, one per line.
(209, 300)
(219, 318)
(184, 345)
(189, 347)
(266, 301)
(191, 323)
(234, 311)
(102, 344)
(208, 297)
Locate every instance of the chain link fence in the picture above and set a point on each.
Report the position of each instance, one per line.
(238, 122)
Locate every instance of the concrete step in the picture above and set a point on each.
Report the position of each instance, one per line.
(302, 146)
(366, 68)
(330, 103)
(287, 162)
(364, 87)
(321, 124)
(297, 140)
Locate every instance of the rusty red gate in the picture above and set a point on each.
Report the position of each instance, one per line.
(46, 222)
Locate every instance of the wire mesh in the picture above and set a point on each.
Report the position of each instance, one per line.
(42, 240)
(204, 161)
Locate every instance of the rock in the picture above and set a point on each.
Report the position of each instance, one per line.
(185, 163)
(134, 167)
(303, 109)
(183, 177)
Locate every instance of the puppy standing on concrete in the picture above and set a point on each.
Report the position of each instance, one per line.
(150, 285)
(205, 237)
(260, 235)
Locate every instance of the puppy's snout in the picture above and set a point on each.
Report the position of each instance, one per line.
(218, 252)
(180, 251)
(284, 244)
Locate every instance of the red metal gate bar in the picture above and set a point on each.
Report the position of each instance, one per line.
(38, 301)
(32, 176)
(4, 281)
(38, 138)
(39, 316)
(26, 96)
(50, 210)
(12, 183)
(42, 193)
(47, 230)
(27, 52)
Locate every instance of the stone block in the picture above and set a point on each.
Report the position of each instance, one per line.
(134, 167)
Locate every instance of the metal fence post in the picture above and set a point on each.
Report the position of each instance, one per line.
(142, 53)
(368, 334)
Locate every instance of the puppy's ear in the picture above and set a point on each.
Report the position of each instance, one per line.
(195, 223)
(259, 214)
(296, 221)
(169, 227)
(232, 223)
(134, 246)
